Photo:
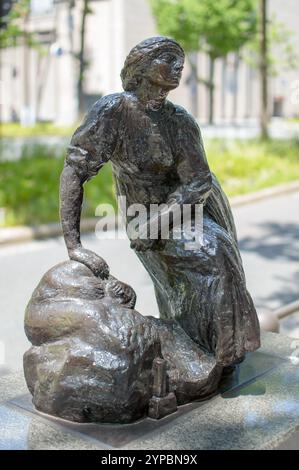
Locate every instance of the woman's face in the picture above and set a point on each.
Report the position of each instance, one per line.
(166, 70)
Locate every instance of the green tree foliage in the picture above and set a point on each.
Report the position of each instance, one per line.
(282, 55)
(14, 25)
(216, 27)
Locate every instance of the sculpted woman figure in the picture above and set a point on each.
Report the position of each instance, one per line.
(158, 156)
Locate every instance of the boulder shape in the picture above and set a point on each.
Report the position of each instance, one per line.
(92, 352)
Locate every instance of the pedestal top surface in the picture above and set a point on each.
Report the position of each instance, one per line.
(257, 409)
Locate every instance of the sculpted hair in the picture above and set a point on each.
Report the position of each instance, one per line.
(140, 57)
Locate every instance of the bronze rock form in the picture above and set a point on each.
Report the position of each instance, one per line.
(92, 353)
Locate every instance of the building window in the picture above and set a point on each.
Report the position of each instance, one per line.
(41, 7)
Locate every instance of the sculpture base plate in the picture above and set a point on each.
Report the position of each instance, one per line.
(256, 366)
(257, 410)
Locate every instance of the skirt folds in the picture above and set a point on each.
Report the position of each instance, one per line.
(204, 289)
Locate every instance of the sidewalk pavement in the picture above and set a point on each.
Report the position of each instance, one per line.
(269, 239)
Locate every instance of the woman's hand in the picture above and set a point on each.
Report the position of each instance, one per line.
(94, 262)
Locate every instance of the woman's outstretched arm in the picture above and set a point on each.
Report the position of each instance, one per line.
(71, 197)
(91, 146)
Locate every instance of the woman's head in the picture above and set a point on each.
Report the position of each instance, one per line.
(159, 60)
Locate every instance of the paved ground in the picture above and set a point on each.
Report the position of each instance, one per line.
(269, 239)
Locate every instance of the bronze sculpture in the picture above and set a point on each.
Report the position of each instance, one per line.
(158, 157)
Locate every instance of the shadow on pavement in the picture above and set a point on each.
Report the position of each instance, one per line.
(277, 241)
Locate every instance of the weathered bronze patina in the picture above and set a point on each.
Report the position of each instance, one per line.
(94, 358)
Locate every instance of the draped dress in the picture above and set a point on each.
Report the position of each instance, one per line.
(158, 157)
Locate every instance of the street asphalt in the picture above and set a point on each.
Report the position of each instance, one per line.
(269, 239)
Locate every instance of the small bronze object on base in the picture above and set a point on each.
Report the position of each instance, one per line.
(162, 403)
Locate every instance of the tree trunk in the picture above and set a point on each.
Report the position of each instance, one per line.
(193, 83)
(26, 72)
(211, 90)
(249, 94)
(223, 88)
(264, 70)
(82, 58)
(236, 87)
(42, 74)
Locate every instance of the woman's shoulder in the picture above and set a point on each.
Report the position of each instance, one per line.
(105, 109)
(181, 116)
(107, 103)
(104, 112)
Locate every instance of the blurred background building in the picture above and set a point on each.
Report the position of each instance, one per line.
(41, 84)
